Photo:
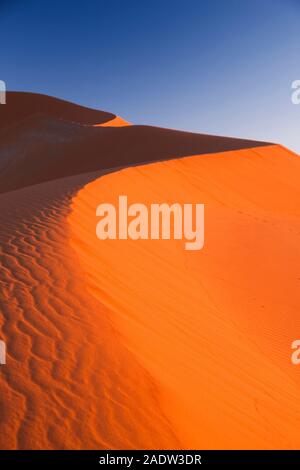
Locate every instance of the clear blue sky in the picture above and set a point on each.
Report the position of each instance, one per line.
(215, 66)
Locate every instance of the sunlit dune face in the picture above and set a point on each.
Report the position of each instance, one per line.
(68, 382)
(212, 328)
(116, 122)
(123, 344)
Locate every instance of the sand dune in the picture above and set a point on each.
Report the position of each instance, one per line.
(213, 328)
(116, 122)
(69, 382)
(142, 344)
(22, 105)
(56, 143)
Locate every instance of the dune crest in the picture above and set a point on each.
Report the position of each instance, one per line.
(143, 344)
(212, 328)
(21, 105)
(116, 122)
(43, 138)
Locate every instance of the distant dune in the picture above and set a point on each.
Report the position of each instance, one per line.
(116, 122)
(23, 105)
(123, 344)
(52, 143)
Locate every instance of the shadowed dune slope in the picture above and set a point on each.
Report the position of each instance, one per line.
(21, 105)
(144, 345)
(45, 147)
(213, 328)
(69, 383)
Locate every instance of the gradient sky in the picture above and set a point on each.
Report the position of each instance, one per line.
(215, 66)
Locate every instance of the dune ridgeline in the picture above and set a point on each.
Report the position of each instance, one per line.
(127, 344)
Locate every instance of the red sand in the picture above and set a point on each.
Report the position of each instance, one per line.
(43, 138)
(20, 105)
(116, 122)
(69, 383)
(213, 328)
(143, 344)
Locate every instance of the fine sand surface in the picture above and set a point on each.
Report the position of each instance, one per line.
(141, 344)
(69, 383)
(213, 328)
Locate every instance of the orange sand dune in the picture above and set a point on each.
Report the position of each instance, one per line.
(43, 138)
(69, 383)
(213, 328)
(116, 122)
(142, 344)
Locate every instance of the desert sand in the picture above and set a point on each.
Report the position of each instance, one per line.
(115, 122)
(213, 327)
(141, 344)
(51, 139)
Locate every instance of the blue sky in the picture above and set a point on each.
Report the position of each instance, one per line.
(220, 67)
